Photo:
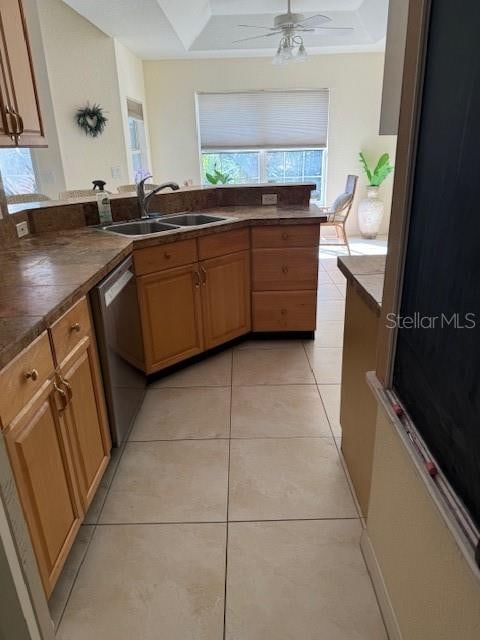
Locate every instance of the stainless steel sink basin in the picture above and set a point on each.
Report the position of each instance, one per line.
(140, 228)
(193, 219)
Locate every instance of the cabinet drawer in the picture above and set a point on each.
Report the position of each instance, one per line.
(166, 256)
(284, 311)
(70, 329)
(286, 236)
(221, 244)
(24, 376)
(285, 269)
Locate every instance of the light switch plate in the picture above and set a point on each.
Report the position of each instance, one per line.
(269, 198)
(22, 229)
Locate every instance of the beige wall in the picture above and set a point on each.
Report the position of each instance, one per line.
(433, 591)
(131, 84)
(82, 67)
(354, 80)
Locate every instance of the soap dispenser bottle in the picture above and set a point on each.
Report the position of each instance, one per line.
(103, 202)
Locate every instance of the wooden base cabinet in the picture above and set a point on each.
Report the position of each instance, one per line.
(86, 420)
(56, 433)
(198, 306)
(171, 313)
(226, 298)
(43, 471)
(284, 280)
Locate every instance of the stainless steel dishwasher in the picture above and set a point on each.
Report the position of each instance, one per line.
(116, 317)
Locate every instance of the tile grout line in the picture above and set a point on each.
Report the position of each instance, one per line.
(234, 438)
(200, 522)
(95, 526)
(228, 501)
(339, 453)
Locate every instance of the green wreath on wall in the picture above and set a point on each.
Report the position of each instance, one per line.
(92, 120)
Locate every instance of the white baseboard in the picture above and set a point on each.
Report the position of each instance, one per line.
(386, 607)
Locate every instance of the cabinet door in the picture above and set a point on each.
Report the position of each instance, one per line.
(226, 297)
(170, 308)
(86, 420)
(42, 467)
(19, 90)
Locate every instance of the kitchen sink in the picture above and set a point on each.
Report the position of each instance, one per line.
(193, 219)
(140, 228)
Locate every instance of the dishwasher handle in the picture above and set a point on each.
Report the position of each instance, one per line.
(117, 287)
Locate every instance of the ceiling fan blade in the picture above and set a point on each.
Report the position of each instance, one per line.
(256, 26)
(316, 20)
(264, 35)
(317, 29)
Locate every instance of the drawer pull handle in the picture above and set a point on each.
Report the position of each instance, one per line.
(62, 394)
(283, 312)
(284, 268)
(76, 327)
(285, 236)
(196, 277)
(167, 255)
(32, 375)
(68, 387)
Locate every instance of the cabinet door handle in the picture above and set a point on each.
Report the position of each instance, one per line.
(62, 395)
(196, 278)
(76, 327)
(167, 255)
(285, 268)
(283, 312)
(68, 387)
(204, 276)
(20, 126)
(11, 122)
(32, 375)
(285, 236)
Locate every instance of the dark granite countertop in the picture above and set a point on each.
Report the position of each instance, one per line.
(44, 274)
(367, 274)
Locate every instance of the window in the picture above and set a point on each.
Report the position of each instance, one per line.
(18, 172)
(265, 136)
(138, 140)
(269, 165)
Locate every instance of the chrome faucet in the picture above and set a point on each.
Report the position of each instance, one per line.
(144, 199)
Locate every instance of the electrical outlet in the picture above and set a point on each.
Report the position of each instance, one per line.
(269, 198)
(116, 173)
(22, 229)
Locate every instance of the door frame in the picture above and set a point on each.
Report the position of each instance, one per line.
(407, 144)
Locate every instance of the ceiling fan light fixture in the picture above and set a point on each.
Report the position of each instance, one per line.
(302, 54)
(277, 58)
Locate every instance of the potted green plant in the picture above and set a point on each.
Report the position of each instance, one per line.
(217, 177)
(371, 208)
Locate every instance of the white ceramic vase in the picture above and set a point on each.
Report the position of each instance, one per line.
(370, 214)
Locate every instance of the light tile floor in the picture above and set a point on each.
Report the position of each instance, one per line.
(228, 515)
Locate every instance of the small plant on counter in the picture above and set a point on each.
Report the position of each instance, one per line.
(381, 171)
(217, 177)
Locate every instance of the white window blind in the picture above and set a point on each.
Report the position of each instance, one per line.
(263, 119)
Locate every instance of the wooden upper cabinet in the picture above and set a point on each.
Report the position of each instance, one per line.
(42, 467)
(171, 313)
(225, 297)
(21, 120)
(85, 417)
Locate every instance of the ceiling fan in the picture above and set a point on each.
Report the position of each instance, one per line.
(290, 26)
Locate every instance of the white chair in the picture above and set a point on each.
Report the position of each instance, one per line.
(339, 212)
